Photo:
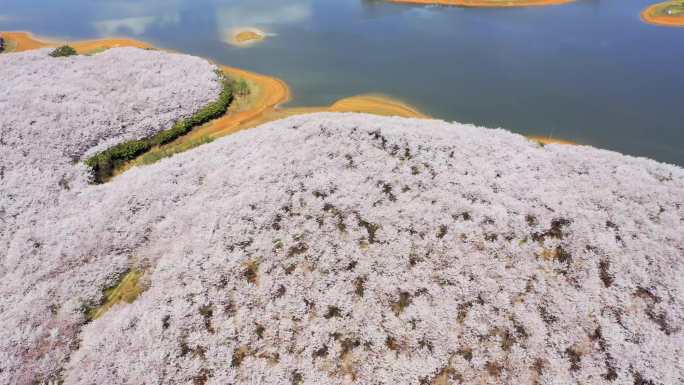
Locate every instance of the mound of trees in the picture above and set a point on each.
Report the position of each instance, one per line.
(104, 163)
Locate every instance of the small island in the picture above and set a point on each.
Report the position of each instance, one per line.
(247, 36)
(668, 13)
(485, 3)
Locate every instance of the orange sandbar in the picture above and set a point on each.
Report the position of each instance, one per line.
(485, 3)
(25, 41)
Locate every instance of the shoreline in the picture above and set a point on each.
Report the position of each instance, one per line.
(549, 140)
(269, 93)
(648, 16)
(484, 3)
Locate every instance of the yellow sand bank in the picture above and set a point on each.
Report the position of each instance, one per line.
(369, 104)
(25, 41)
(485, 3)
(548, 140)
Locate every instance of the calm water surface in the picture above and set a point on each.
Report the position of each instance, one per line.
(590, 71)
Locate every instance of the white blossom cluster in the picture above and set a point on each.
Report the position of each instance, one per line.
(349, 248)
(56, 111)
(53, 113)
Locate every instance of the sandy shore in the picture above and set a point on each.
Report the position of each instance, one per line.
(273, 92)
(655, 14)
(25, 41)
(370, 104)
(485, 3)
(549, 140)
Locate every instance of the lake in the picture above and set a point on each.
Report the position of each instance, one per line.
(588, 71)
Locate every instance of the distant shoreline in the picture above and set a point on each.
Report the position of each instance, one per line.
(485, 3)
(268, 94)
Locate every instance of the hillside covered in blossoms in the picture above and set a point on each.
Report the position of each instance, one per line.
(323, 248)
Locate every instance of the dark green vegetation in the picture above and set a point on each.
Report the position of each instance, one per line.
(104, 163)
(63, 51)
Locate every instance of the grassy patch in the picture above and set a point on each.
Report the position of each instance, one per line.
(162, 152)
(104, 163)
(126, 290)
(95, 51)
(670, 8)
(246, 92)
(675, 9)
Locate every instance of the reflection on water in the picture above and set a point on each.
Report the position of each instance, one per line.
(132, 26)
(589, 71)
(264, 16)
(135, 18)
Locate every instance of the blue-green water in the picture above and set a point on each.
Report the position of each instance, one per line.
(589, 71)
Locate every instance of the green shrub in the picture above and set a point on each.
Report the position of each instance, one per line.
(104, 163)
(63, 51)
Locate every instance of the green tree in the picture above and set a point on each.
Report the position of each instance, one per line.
(63, 51)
